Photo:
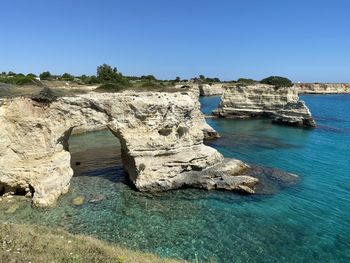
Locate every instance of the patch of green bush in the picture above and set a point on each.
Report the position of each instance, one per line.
(204, 80)
(107, 74)
(46, 75)
(89, 79)
(151, 84)
(31, 75)
(277, 81)
(67, 77)
(148, 77)
(18, 80)
(111, 87)
(246, 81)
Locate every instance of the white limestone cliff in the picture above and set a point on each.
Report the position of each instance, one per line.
(211, 89)
(161, 136)
(323, 88)
(282, 105)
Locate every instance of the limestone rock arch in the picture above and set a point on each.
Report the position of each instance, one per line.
(161, 136)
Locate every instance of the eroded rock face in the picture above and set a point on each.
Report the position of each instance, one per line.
(161, 136)
(282, 105)
(323, 88)
(211, 89)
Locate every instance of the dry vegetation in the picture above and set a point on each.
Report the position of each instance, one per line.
(28, 243)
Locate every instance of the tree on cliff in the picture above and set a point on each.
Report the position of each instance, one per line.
(107, 74)
(246, 81)
(111, 79)
(148, 78)
(277, 81)
(45, 75)
(67, 76)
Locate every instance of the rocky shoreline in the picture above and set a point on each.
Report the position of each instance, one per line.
(323, 88)
(302, 88)
(161, 136)
(282, 105)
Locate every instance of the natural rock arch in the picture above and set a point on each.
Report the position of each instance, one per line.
(161, 136)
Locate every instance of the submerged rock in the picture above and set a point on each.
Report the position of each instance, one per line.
(271, 180)
(12, 209)
(79, 200)
(282, 105)
(97, 199)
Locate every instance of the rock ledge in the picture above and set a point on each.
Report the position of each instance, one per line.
(282, 105)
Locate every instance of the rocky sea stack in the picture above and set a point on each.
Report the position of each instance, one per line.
(281, 104)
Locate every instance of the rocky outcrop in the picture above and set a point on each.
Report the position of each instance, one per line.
(209, 132)
(161, 136)
(282, 105)
(323, 88)
(211, 89)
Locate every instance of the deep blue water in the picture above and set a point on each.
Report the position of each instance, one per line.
(309, 222)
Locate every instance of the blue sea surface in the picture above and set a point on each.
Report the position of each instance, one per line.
(309, 222)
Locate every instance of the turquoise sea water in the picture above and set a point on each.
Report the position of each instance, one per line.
(309, 222)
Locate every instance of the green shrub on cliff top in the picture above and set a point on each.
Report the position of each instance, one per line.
(277, 81)
(107, 74)
(19, 79)
(111, 79)
(67, 77)
(246, 81)
(46, 75)
(111, 87)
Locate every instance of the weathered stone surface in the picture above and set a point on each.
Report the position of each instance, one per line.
(211, 89)
(322, 88)
(209, 132)
(161, 136)
(282, 105)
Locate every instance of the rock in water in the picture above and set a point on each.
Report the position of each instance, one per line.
(282, 105)
(79, 200)
(12, 209)
(97, 198)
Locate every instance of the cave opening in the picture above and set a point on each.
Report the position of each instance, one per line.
(97, 153)
(20, 190)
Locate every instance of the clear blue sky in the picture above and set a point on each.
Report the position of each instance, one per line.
(305, 40)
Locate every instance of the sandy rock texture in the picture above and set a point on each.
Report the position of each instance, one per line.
(211, 89)
(161, 136)
(282, 105)
(323, 88)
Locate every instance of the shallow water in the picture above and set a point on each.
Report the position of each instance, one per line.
(305, 223)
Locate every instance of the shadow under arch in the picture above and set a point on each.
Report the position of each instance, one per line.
(97, 153)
